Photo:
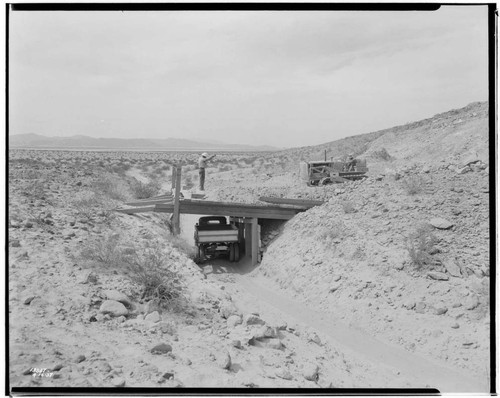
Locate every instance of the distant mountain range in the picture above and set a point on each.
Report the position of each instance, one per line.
(84, 142)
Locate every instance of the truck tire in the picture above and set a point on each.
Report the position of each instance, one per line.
(231, 252)
(201, 252)
(236, 252)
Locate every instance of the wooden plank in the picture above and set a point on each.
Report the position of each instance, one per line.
(248, 239)
(289, 201)
(176, 204)
(174, 168)
(150, 202)
(231, 209)
(255, 241)
(221, 211)
(136, 210)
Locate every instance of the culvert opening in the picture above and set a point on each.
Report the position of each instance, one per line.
(228, 243)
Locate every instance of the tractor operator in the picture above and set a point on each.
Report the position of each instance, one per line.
(202, 164)
(350, 164)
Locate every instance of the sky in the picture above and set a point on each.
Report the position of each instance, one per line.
(278, 78)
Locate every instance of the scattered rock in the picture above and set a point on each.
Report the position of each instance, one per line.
(334, 287)
(409, 305)
(80, 358)
(439, 276)
(227, 308)
(113, 308)
(264, 332)
(161, 348)
(57, 367)
(27, 372)
(118, 382)
(310, 372)
(117, 296)
(284, 374)
(224, 360)
(452, 268)
(88, 277)
(252, 319)
(471, 302)
(440, 223)
(313, 337)
(455, 326)
(236, 343)
(168, 375)
(233, 320)
(28, 300)
(153, 317)
(420, 307)
(441, 310)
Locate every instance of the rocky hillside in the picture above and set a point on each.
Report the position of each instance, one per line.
(452, 137)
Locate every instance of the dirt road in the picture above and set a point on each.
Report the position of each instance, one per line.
(399, 368)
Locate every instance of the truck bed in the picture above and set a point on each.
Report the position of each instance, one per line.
(216, 233)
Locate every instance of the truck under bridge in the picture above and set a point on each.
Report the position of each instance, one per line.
(245, 216)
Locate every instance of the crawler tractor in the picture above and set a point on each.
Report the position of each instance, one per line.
(325, 172)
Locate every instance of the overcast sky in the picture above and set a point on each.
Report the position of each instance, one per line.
(276, 78)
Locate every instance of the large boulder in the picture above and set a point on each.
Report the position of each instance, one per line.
(452, 268)
(113, 308)
(440, 223)
(252, 319)
(117, 296)
(439, 276)
(227, 308)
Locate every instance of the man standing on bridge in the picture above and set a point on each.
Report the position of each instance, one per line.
(202, 164)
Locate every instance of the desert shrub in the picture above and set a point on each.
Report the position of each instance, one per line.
(89, 204)
(120, 168)
(183, 246)
(111, 187)
(225, 168)
(151, 270)
(34, 188)
(413, 185)
(348, 206)
(149, 267)
(249, 161)
(483, 292)
(188, 181)
(86, 204)
(142, 190)
(381, 154)
(104, 251)
(420, 245)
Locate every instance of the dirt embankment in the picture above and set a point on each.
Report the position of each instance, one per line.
(399, 260)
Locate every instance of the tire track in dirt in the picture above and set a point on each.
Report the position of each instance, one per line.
(424, 372)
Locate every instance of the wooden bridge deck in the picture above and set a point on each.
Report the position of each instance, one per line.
(247, 214)
(231, 209)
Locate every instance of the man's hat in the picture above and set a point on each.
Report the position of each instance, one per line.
(204, 155)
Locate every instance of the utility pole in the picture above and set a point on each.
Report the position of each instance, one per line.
(176, 216)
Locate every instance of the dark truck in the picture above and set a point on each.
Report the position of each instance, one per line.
(213, 236)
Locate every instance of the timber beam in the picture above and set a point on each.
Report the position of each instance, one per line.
(230, 209)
